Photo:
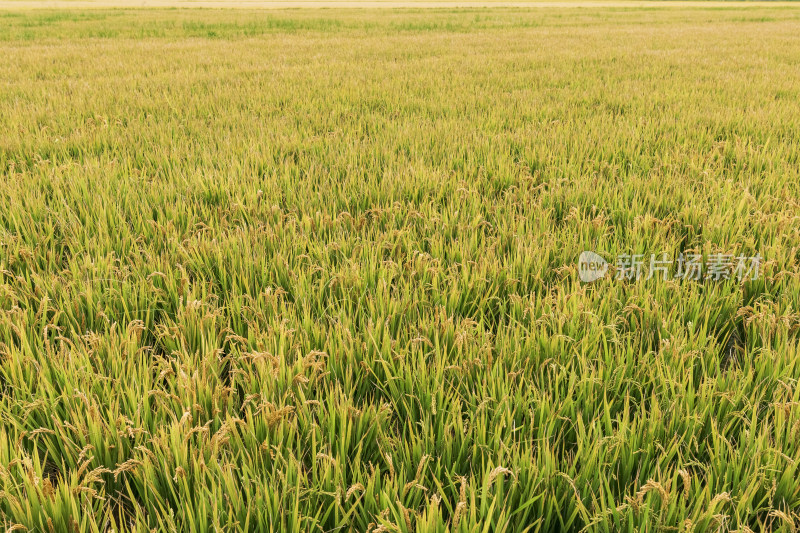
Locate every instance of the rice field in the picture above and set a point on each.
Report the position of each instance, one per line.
(317, 269)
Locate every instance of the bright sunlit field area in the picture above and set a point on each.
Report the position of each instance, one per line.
(317, 270)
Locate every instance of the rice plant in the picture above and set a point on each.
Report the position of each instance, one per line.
(316, 270)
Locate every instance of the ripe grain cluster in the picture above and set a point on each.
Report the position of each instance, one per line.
(316, 270)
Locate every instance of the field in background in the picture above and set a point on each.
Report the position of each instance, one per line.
(283, 4)
(316, 270)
